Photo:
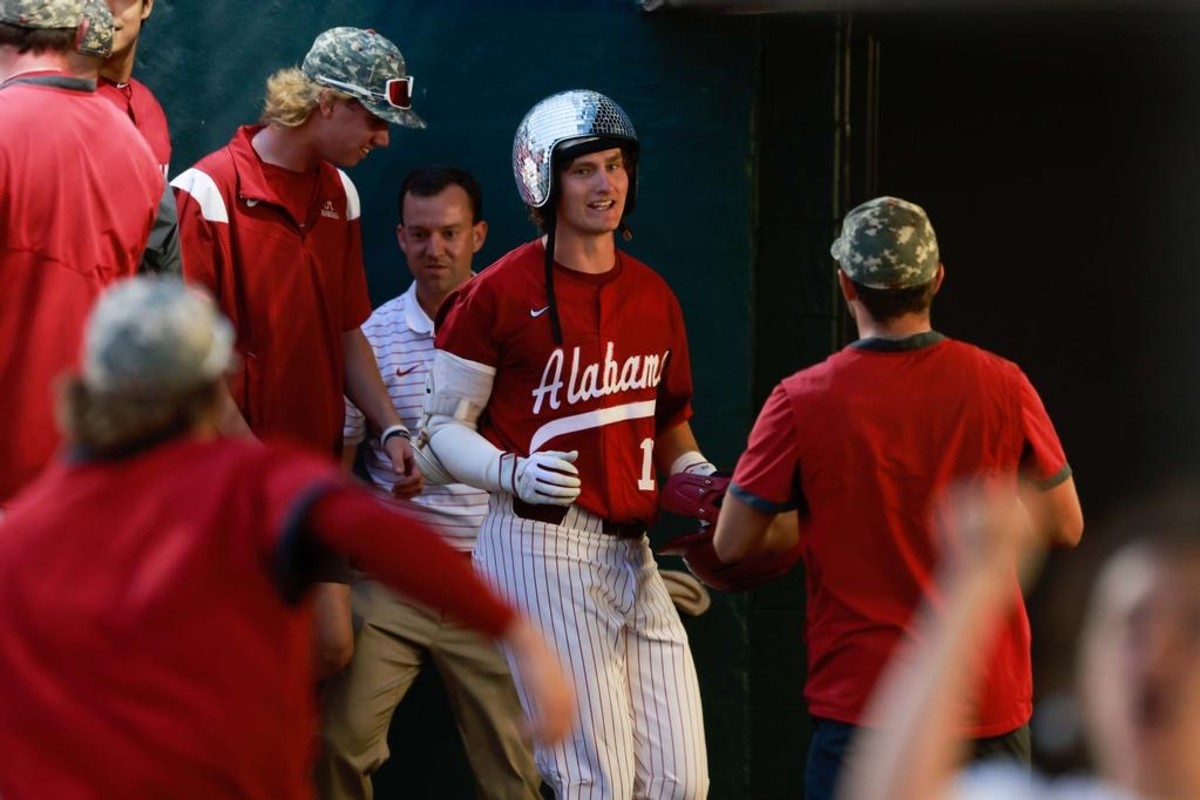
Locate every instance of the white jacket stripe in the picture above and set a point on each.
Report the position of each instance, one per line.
(202, 187)
(353, 206)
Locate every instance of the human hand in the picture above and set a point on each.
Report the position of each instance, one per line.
(550, 694)
(987, 527)
(409, 480)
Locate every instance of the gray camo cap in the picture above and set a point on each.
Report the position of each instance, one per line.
(887, 243)
(98, 41)
(41, 13)
(154, 335)
(359, 62)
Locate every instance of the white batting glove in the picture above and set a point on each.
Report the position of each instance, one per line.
(547, 477)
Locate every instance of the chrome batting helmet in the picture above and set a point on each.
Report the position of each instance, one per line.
(563, 121)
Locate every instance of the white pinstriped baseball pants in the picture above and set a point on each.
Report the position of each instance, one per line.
(600, 602)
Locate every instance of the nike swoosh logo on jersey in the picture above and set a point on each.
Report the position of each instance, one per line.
(402, 372)
(539, 311)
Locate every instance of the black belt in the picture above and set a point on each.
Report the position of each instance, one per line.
(554, 515)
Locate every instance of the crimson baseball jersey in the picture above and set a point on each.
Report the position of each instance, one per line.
(620, 378)
(141, 106)
(282, 254)
(863, 444)
(156, 643)
(70, 164)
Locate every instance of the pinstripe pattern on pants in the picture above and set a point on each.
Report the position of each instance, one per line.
(602, 604)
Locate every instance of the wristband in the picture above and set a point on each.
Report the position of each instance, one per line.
(692, 461)
(394, 430)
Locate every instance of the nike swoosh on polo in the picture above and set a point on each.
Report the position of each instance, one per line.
(402, 372)
(538, 311)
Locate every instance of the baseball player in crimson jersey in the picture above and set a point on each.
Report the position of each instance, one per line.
(561, 383)
(69, 163)
(180, 610)
(271, 226)
(863, 444)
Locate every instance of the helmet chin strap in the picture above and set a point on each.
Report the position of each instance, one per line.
(551, 300)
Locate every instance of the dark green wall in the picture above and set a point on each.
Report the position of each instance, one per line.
(690, 84)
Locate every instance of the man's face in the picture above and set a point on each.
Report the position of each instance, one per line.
(439, 240)
(592, 193)
(128, 16)
(349, 132)
(1141, 673)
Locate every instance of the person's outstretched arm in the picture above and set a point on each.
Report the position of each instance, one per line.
(415, 561)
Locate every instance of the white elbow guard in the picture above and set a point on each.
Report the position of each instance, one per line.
(431, 467)
(456, 392)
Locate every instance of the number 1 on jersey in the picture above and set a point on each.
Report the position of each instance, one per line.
(646, 482)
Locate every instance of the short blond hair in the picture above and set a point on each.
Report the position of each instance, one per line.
(291, 98)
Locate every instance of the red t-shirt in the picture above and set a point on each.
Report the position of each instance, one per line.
(291, 285)
(149, 647)
(137, 102)
(863, 444)
(621, 377)
(69, 163)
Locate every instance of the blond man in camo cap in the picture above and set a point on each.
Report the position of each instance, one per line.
(276, 195)
(367, 67)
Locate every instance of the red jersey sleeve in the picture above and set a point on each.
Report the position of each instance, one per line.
(409, 557)
(674, 402)
(767, 474)
(466, 325)
(1042, 458)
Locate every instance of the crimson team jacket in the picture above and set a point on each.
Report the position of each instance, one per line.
(290, 286)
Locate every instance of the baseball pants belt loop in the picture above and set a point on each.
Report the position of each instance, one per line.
(554, 515)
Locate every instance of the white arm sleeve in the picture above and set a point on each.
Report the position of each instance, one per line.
(456, 393)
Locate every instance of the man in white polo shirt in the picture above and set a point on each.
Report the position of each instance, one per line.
(441, 228)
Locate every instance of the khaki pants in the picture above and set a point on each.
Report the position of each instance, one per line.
(392, 642)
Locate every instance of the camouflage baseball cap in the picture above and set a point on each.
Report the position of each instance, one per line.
(154, 335)
(887, 243)
(98, 41)
(361, 63)
(41, 13)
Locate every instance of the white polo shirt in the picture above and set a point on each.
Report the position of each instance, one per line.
(401, 334)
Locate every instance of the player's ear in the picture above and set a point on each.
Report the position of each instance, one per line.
(847, 286)
(938, 278)
(479, 230)
(325, 103)
(402, 239)
(81, 32)
(147, 7)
